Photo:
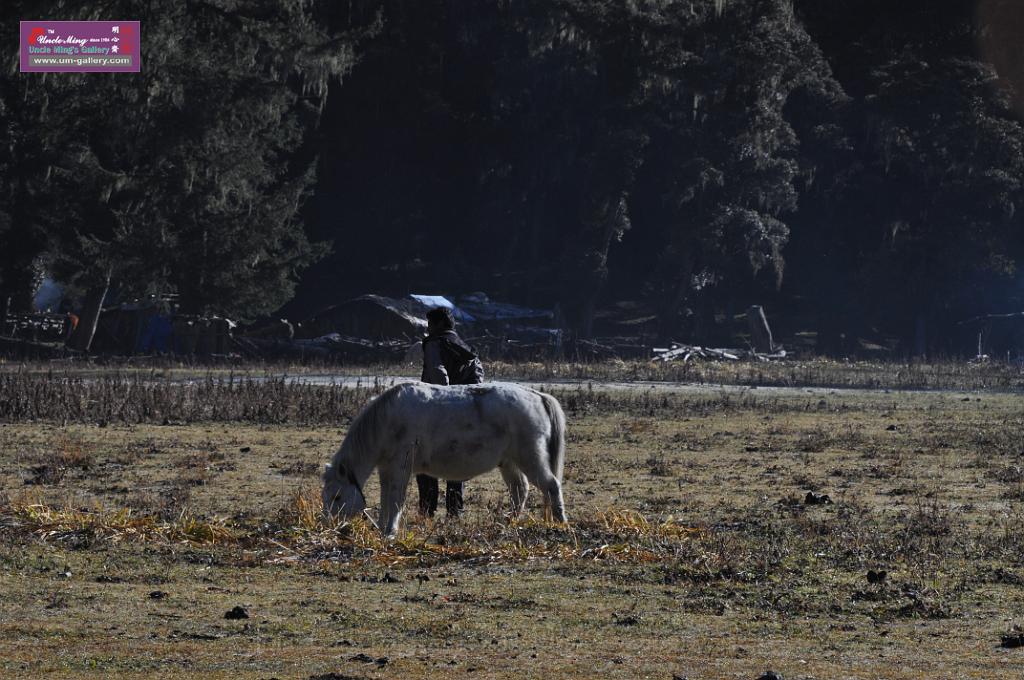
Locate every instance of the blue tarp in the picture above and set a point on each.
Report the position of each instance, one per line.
(49, 296)
(484, 309)
(432, 301)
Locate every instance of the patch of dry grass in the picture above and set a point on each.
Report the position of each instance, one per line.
(301, 533)
(63, 524)
(134, 397)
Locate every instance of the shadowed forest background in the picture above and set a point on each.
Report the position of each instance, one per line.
(855, 166)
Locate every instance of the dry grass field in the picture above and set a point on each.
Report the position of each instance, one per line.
(137, 512)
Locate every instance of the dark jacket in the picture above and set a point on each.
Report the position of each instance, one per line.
(447, 360)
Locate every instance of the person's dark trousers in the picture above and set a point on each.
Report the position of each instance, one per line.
(453, 499)
(428, 494)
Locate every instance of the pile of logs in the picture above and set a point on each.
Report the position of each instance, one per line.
(686, 352)
(36, 327)
(763, 349)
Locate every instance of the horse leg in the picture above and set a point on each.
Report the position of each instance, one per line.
(554, 505)
(540, 475)
(518, 488)
(553, 499)
(393, 482)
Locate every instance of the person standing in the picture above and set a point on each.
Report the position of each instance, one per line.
(447, 360)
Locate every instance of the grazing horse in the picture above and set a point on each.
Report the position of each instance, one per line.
(452, 432)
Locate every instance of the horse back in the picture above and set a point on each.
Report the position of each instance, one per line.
(460, 431)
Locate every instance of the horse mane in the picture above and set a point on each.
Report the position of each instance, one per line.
(362, 434)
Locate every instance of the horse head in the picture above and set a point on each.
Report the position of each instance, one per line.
(343, 496)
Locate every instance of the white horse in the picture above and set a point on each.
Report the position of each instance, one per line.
(455, 433)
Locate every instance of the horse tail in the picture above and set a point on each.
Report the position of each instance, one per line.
(556, 441)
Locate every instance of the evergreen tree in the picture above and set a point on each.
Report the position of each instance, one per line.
(916, 225)
(189, 176)
(723, 173)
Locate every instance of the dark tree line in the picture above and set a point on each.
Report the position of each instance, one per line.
(188, 177)
(855, 165)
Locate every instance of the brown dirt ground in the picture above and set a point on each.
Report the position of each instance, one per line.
(925, 485)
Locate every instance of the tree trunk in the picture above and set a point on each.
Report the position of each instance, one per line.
(760, 332)
(586, 329)
(5, 304)
(83, 335)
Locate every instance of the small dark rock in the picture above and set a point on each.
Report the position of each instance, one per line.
(817, 499)
(245, 449)
(1000, 575)
(332, 676)
(236, 613)
(388, 578)
(876, 576)
(1012, 640)
(157, 595)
